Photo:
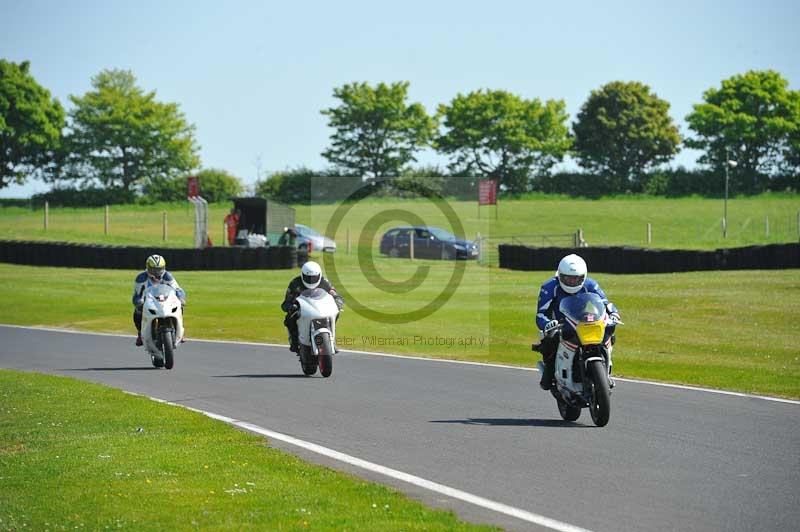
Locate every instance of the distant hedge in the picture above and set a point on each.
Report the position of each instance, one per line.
(670, 182)
(84, 197)
(305, 186)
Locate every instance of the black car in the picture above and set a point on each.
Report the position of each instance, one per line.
(429, 243)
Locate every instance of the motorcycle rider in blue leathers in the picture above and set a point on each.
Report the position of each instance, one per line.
(569, 280)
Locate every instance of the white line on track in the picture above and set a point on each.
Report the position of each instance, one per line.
(453, 493)
(386, 471)
(440, 360)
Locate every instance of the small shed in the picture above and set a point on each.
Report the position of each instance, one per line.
(264, 217)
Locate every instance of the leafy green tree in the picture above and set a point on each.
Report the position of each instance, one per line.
(498, 134)
(288, 186)
(30, 125)
(375, 131)
(306, 186)
(422, 181)
(215, 185)
(121, 136)
(753, 118)
(622, 131)
(791, 154)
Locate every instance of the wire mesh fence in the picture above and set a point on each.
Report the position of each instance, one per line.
(488, 245)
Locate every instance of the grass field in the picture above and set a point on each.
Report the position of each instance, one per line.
(75, 455)
(732, 330)
(691, 223)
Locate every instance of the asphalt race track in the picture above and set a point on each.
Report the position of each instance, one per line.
(669, 459)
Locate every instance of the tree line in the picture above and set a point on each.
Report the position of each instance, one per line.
(118, 142)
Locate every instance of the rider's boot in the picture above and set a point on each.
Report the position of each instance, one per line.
(548, 374)
(294, 344)
(139, 339)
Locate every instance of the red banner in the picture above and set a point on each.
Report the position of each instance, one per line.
(193, 186)
(487, 192)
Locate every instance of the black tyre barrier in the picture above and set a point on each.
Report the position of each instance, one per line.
(236, 258)
(34, 253)
(73, 255)
(248, 259)
(645, 260)
(612, 259)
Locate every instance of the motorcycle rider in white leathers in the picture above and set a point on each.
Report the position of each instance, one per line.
(155, 273)
(310, 277)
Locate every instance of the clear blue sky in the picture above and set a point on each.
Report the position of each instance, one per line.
(254, 75)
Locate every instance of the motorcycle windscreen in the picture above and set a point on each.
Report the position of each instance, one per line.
(587, 312)
(314, 293)
(160, 292)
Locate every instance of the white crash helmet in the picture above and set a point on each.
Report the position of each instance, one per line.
(571, 273)
(311, 274)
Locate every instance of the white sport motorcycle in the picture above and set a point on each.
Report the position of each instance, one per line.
(583, 359)
(162, 324)
(316, 325)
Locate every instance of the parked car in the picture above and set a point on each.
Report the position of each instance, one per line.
(429, 243)
(307, 236)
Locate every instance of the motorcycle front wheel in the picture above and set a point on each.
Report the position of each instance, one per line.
(169, 349)
(325, 365)
(325, 358)
(599, 393)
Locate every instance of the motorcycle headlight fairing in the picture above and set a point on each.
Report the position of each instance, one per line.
(591, 333)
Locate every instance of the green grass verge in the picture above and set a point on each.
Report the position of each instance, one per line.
(75, 455)
(691, 223)
(732, 330)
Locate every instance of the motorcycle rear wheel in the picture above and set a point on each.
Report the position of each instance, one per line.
(568, 413)
(599, 393)
(308, 362)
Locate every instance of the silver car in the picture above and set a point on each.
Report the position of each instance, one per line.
(307, 235)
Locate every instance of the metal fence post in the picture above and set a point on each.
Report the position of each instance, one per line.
(766, 226)
(105, 221)
(411, 245)
(164, 226)
(47, 214)
(649, 233)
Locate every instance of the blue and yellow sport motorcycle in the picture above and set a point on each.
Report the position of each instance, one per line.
(583, 359)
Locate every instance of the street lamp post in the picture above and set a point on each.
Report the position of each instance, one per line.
(732, 164)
